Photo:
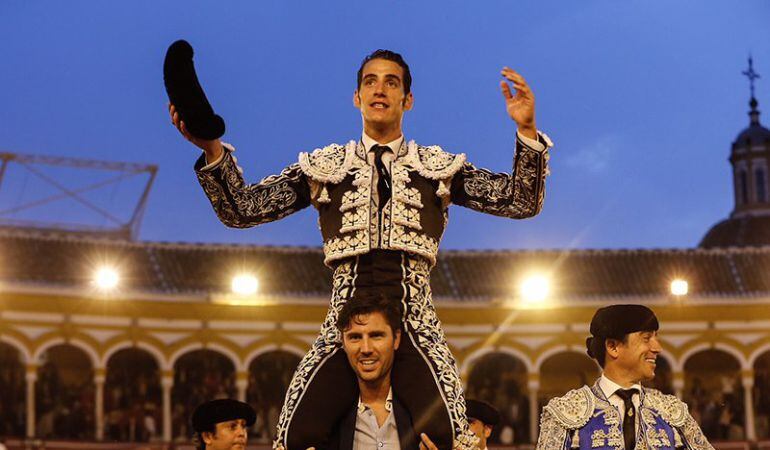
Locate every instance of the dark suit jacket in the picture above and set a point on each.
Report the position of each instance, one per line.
(343, 436)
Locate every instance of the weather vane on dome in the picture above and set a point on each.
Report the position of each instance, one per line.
(751, 75)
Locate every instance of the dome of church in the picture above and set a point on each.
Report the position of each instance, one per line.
(750, 231)
(748, 225)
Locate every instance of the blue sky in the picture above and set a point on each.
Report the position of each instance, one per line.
(643, 100)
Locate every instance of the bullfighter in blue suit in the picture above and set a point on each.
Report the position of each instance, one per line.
(617, 412)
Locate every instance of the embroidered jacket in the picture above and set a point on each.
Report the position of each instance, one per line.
(585, 419)
(338, 181)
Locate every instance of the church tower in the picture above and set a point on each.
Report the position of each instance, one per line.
(749, 222)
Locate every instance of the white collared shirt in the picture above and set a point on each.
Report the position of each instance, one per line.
(369, 435)
(609, 388)
(387, 156)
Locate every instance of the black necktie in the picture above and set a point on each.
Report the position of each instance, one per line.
(629, 429)
(383, 177)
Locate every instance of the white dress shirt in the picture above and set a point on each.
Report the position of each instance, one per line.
(369, 435)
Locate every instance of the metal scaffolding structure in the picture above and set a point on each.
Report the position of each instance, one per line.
(118, 228)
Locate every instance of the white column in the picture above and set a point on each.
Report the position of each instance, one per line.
(167, 382)
(31, 379)
(99, 404)
(534, 420)
(242, 384)
(748, 404)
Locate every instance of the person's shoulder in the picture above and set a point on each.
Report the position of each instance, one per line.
(434, 162)
(328, 164)
(574, 409)
(670, 408)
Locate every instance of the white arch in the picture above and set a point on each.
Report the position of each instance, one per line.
(742, 363)
(237, 364)
(483, 351)
(13, 342)
(559, 349)
(92, 355)
(272, 347)
(158, 355)
(757, 353)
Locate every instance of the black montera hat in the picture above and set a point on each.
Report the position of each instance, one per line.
(208, 414)
(482, 411)
(616, 321)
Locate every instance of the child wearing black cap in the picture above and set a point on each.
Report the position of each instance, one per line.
(222, 424)
(482, 418)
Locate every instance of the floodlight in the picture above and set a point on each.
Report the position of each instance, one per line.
(535, 288)
(106, 278)
(679, 287)
(245, 284)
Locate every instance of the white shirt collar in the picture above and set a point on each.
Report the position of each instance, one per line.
(394, 145)
(388, 402)
(609, 387)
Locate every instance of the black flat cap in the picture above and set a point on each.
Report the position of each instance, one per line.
(482, 411)
(208, 414)
(616, 321)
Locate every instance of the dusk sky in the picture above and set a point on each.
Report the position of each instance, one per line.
(641, 98)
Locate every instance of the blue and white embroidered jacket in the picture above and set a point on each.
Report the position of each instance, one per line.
(585, 419)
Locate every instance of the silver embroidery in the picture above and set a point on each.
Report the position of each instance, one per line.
(434, 163)
(402, 238)
(326, 343)
(424, 328)
(517, 196)
(404, 214)
(240, 205)
(402, 223)
(693, 435)
(670, 408)
(658, 437)
(355, 211)
(553, 435)
(329, 164)
(611, 418)
(675, 413)
(574, 409)
(575, 440)
(354, 220)
(610, 438)
(355, 243)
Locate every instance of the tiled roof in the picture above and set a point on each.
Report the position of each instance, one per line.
(60, 260)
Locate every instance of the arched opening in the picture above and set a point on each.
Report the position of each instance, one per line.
(501, 380)
(743, 187)
(64, 394)
(269, 377)
(12, 391)
(199, 376)
(712, 389)
(664, 377)
(761, 395)
(132, 397)
(563, 372)
(761, 184)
